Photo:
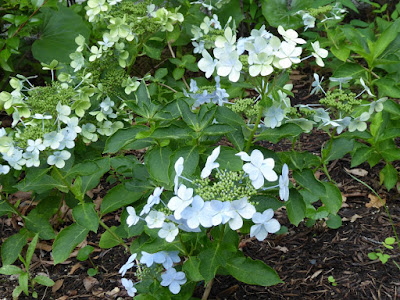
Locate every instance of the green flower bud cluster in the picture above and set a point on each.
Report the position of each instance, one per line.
(44, 99)
(340, 101)
(244, 59)
(292, 112)
(142, 272)
(109, 74)
(32, 133)
(307, 112)
(245, 106)
(209, 88)
(136, 16)
(228, 187)
(320, 10)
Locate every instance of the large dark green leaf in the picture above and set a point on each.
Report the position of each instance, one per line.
(274, 135)
(118, 197)
(57, 38)
(283, 12)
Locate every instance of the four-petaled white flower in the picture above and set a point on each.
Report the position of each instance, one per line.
(35, 146)
(129, 264)
(152, 200)
(366, 89)
(264, 224)
(284, 183)
(290, 36)
(211, 164)
(58, 158)
(288, 54)
(240, 209)
(182, 200)
(155, 219)
(207, 64)
(168, 232)
(63, 111)
(258, 168)
(4, 169)
(178, 172)
(319, 53)
(230, 65)
(132, 219)
(173, 280)
(129, 286)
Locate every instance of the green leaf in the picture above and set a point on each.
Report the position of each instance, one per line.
(10, 270)
(372, 256)
(118, 197)
(122, 137)
(23, 280)
(283, 12)
(108, 240)
(37, 3)
(334, 221)
(300, 160)
(158, 162)
(295, 207)
(31, 250)
(388, 175)
(190, 156)
(58, 33)
(228, 159)
(388, 87)
(172, 132)
(12, 246)
(86, 216)
(332, 198)
(386, 38)
(251, 271)
(178, 73)
(307, 180)
(217, 129)
(360, 154)
(390, 240)
(349, 70)
(210, 260)
(340, 147)
(274, 135)
(236, 138)
(225, 115)
(392, 107)
(37, 223)
(67, 240)
(44, 280)
(187, 115)
(191, 269)
(92, 180)
(16, 292)
(84, 253)
(5, 208)
(40, 184)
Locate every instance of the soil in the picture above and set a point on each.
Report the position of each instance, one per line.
(304, 257)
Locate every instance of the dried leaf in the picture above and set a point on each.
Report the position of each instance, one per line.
(357, 172)
(57, 285)
(114, 292)
(375, 201)
(43, 246)
(89, 283)
(283, 249)
(74, 268)
(316, 274)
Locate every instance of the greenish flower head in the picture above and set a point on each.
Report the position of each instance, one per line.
(229, 186)
(340, 101)
(43, 100)
(245, 106)
(320, 10)
(33, 133)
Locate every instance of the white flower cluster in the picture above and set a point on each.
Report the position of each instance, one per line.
(56, 130)
(167, 259)
(265, 52)
(219, 96)
(359, 123)
(190, 213)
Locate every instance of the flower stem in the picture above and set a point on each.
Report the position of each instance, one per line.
(207, 290)
(253, 132)
(113, 234)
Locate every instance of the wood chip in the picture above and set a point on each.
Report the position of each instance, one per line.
(74, 268)
(283, 249)
(316, 274)
(89, 283)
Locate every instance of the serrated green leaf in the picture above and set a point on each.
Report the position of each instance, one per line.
(37, 223)
(332, 198)
(274, 135)
(66, 241)
(123, 137)
(86, 216)
(58, 33)
(158, 162)
(251, 271)
(307, 180)
(191, 268)
(108, 240)
(389, 176)
(118, 197)
(12, 246)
